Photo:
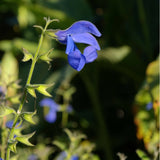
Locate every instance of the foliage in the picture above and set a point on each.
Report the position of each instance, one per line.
(109, 97)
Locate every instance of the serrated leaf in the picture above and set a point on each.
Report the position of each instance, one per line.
(42, 89)
(25, 139)
(27, 55)
(142, 155)
(5, 110)
(28, 116)
(12, 146)
(31, 91)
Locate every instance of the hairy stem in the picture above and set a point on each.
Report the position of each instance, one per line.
(11, 134)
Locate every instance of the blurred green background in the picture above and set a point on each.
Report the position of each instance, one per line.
(105, 101)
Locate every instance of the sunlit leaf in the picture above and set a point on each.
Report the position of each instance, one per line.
(142, 155)
(115, 55)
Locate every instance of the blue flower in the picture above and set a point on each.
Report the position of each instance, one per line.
(74, 157)
(63, 155)
(149, 106)
(1, 158)
(32, 157)
(53, 108)
(80, 32)
(9, 124)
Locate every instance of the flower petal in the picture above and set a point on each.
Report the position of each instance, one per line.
(76, 59)
(90, 54)
(70, 44)
(51, 116)
(49, 103)
(87, 39)
(78, 28)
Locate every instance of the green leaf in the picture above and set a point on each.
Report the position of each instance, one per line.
(59, 144)
(5, 110)
(25, 139)
(42, 89)
(115, 55)
(28, 116)
(12, 146)
(27, 55)
(142, 155)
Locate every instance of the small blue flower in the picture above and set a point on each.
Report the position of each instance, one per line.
(53, 108)
(80, 32)
(74, 157)
(63, 155)
(9, 124)
(1, 158)
(33, 157)
(149, 106)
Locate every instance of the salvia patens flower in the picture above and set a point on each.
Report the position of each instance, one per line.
(1, 158)
(80, 32)
(9, 124)
(53, 108)
(74, 157)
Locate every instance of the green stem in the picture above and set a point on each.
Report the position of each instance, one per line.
(25, 91)
(104, 135)
(3, 135)
(64, 119)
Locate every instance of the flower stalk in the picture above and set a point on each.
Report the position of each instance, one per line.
(11, 134)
